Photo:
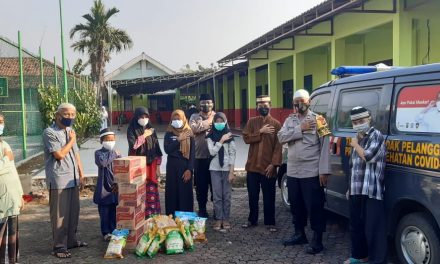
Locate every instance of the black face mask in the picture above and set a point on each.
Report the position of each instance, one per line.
(206, 108)
(263, 111)
(301, 107)
(67, 122)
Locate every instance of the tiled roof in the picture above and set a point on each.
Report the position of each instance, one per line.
(9, 67)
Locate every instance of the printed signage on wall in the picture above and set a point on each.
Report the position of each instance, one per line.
(418, 109)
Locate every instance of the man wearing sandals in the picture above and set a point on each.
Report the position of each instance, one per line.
(308, 166)
(63, 177)
(367, 209)
(264, 157)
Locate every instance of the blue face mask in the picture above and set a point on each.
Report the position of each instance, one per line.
(2, 127)
(67, 122)
(219, 126)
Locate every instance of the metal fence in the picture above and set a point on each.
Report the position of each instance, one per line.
(19, 103)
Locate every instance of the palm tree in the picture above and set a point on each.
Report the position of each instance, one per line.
(99, 39)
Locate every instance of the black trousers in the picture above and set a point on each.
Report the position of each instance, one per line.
(307, 200)
(368, 229)
(178, 194)
(254, 181)
(202, 181)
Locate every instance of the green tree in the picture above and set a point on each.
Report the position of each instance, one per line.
(99, 39)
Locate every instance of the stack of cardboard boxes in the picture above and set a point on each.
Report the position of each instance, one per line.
(130, 174)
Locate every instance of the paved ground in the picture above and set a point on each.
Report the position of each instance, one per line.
(239, 245)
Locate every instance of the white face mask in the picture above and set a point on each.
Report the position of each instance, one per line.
(143, 121)
(362, 128)
(177, 123)
(2, 127)
(109, 145)
(438, 105)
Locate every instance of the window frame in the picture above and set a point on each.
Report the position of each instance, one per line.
(379, 90)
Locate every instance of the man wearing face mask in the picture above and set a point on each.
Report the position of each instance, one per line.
(366, 193)
(264, 157)
(308, 166)
(201, 125)
(429, 118)
(64, 175)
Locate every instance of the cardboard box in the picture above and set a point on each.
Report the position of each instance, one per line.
(130, 210)
(127, 191)
(130, 221)
(133, 175)
(134, 236)
(140, 199)
(129, 188)
(123, 165)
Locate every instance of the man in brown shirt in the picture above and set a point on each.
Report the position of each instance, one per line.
(263, 159)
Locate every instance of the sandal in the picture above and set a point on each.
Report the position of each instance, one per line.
(226, 225)
(248, 225)
(217, 225)
(80, 244)
(61, 253)
(107, 237)
(355, 261)
(272, 229)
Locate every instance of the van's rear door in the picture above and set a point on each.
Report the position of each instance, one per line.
(413, 147)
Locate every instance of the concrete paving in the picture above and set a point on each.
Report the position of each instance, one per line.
(254, 245)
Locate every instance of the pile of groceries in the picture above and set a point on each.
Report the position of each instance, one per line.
(159, 233)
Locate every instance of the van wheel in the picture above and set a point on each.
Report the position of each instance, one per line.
(416, 240)
(285, 192)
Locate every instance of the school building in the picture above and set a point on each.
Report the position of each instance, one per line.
(301, 52)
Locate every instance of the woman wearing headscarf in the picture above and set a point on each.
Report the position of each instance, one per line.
(11, 201)
(143, 141)
(179, 145)
(221, 146)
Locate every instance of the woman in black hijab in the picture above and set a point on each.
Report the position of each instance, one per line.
(142, 141)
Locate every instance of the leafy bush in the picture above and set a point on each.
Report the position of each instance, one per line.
(87, 121)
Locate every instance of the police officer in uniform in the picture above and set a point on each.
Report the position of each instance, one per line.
(308, 167)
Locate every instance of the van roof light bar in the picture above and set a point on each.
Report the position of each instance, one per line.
(343, 71)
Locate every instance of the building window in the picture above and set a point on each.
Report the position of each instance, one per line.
(287, 93)
(370, 99)
(308, 83)
(259, 90)
(128, 103)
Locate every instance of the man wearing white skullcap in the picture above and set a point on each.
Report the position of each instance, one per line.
(308, 166)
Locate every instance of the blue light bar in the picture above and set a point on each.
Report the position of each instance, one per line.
(352, 70)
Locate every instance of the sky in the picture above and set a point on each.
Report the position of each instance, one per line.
(173, 32)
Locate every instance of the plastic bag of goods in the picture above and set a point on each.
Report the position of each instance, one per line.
(198, 229)
(185, 215)
(145, 242)
(184, 229)
(156, 244)
(174, 241)
(117, 244)
(163, 221)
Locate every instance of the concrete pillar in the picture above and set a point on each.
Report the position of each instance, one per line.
(403, 51)
(237, 99)
(337, 54)
(177, 99)
(298, 71)
(224, 88)
(252, 93)
(274, 89)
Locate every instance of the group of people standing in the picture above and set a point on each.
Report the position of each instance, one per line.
(202, 151)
